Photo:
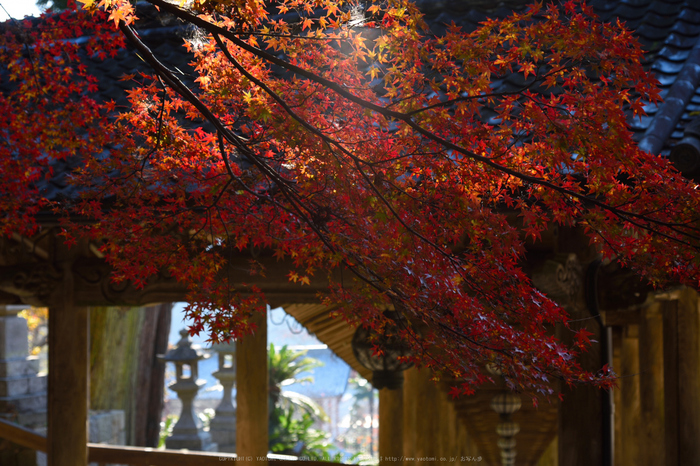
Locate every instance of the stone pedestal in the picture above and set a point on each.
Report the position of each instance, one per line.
(22, 389)
(223, 426)
(187, 432)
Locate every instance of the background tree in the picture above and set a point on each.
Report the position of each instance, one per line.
(293, 415)
(125, 343)
(344, 135)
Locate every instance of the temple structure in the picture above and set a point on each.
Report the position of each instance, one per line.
(650, 337)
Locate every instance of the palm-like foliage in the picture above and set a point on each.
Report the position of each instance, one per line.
(292, 414)
(285, 367)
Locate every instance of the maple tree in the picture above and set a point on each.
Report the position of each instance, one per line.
(351, 138)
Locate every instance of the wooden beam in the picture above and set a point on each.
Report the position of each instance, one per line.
(68, 378)
(22, 436)
(621, 317)
(252, 395)
(35, 282)
(140, 456)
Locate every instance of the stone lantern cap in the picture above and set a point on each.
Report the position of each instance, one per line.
(183, 351)
(226, 348)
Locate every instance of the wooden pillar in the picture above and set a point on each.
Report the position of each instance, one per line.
(443, 433)
(410, 414)
(629, 385)
(681, 337)
(651, 386)
(617, 396)
(451, 423)
(462, 441)
(390, 426)
(468, 449)
(68, 379)
(252, 396)
(580, 416)
(428, 418)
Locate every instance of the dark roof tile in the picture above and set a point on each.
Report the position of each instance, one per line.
(667, 7)
(675, 54)
(653, 33)
(667, 67)
(680, 41)
(640, 123)
(686, 29)
(655, 19)
(666, 79)
(690, 15)
(628, 12)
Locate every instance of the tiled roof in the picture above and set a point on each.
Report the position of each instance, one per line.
(165, 35)
(669, 31)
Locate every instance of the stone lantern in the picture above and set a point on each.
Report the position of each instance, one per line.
(187, 432)
(223, 425)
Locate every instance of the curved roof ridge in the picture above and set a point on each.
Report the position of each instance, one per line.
(671, 110)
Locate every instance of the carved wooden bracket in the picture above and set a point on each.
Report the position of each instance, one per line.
(95, 287)
(33, 284)
(561, 279)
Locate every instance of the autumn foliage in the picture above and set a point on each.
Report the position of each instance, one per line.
(351, 138)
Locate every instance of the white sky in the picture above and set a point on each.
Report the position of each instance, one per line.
(18, 9)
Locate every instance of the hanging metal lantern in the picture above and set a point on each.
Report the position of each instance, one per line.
(506, 443)
(386, 368)
(507, 429)
(506, 403)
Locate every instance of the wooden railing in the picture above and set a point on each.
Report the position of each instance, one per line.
(141, 456)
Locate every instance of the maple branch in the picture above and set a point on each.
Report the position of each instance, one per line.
(183, 90)
(470, 98)
(341, 91)
(325, 138)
